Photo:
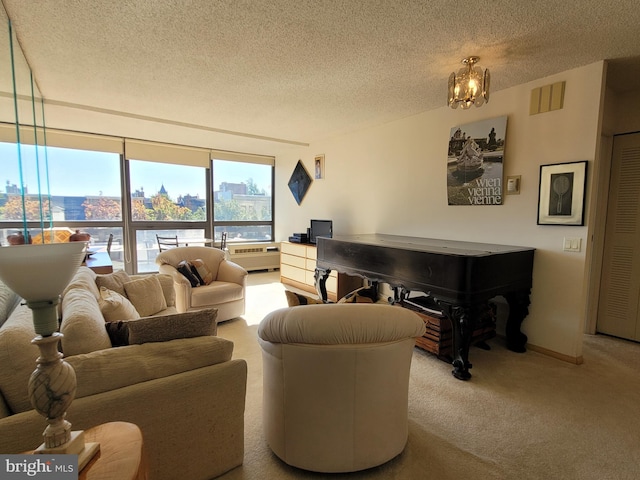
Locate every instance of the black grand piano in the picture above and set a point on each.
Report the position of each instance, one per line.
(461, 277)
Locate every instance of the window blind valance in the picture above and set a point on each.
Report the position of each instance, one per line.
(242, 157)
(61, 139)
(166, 153)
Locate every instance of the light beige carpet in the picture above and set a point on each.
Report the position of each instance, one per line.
(521, 416)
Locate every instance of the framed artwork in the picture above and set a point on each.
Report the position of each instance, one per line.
(561, 196)
(475, 162)
(318, 163)
(299, 182)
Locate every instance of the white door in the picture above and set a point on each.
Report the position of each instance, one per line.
(619, 306)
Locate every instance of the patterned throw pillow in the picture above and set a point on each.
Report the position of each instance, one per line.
(361, 295)
(295, 299)
(203, 271)
(187, 270)
(163, 328)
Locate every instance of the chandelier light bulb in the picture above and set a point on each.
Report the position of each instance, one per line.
(470, 86)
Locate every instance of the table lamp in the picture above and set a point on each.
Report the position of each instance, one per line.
(39, 273)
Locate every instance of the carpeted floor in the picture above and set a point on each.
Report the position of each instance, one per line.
(521, 416)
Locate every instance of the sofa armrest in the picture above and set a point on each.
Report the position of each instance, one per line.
(113, 368)
(176, 412)
(232, 272)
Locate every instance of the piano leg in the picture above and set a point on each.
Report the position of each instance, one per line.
(320, 276)
(462, 324)
(518, 310)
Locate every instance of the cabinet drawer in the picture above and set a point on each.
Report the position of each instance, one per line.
(294, 273)
(310, 264)
(312, 252)
(309, 278)
(292, 260)
(293, 249)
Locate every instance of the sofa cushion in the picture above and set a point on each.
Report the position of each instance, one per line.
(115, 306)
(166, 282)
(82, 323)
(222, 292)
(115, 368)
(163, 328)
(8, 301)
(85, 278)
(114, 281)
(17, 358)
(146, 294)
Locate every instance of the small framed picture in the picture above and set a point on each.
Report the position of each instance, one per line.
(561, 196)
(318, 165)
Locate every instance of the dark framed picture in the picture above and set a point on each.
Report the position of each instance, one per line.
(561, 196)
(299, 182)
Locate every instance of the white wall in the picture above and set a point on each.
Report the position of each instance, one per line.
(392, 179)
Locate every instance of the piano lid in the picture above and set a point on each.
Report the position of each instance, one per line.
(432, 245)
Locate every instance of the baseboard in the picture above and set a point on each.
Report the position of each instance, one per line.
(560, 356)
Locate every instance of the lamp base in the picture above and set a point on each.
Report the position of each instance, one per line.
(75, 446)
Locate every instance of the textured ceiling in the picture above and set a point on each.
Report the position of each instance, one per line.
(300, 70)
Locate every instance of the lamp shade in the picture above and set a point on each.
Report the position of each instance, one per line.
(40, 272)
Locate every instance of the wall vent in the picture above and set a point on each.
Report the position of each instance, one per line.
(547, 98)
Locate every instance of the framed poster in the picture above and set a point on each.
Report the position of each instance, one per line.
(475, 162)
(561, 195)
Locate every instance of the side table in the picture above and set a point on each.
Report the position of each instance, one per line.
(121, 455)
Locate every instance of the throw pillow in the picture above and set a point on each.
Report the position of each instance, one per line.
(115, 306)
(203, 271)
(163, 328)
(184, 267)
(295, 299)
(113, 281)
(146, 295)
(361, 295)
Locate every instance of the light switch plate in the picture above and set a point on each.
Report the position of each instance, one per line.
(572, 244)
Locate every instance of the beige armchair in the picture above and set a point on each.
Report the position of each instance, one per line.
(336, 383)
(226, 292)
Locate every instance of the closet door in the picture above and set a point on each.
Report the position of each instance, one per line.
(618, 311)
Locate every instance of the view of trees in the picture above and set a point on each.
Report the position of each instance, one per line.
(12, 209)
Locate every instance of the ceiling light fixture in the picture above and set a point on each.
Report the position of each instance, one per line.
(470, 86)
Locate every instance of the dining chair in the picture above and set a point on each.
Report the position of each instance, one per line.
(109, 242)
(166, 243)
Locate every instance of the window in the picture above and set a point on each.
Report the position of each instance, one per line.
(81, 185)
(163, 192)
(242, 201)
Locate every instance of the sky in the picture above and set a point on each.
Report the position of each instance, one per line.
(81, 173)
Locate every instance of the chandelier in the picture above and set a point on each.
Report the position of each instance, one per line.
(470, 86)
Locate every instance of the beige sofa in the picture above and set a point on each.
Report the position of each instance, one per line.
(187, 395)
(336, 383)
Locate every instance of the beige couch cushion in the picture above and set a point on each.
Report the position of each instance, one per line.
(119, 367)
(8, 301)
(115, 306)
(82, 323)
(17, 358)
(147, 295)
(114, 281)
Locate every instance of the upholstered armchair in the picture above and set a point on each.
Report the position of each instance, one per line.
(224, 284)
(336, 383)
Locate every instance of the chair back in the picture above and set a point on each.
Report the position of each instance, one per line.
(166, 243)
(109, 242)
